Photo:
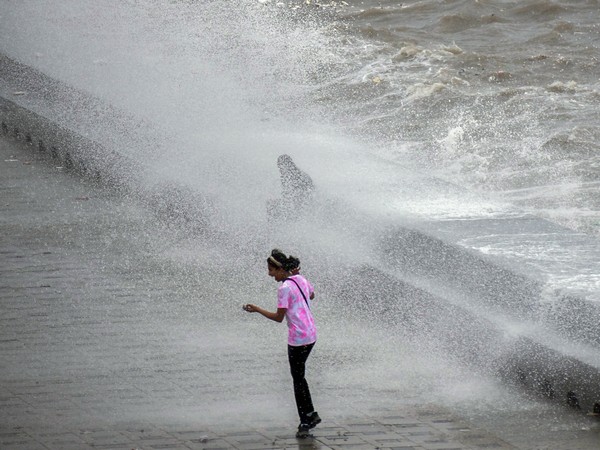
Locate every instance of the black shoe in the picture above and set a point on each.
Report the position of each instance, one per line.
(313, 419)
(302, 432)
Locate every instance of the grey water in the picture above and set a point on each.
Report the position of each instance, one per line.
(402, 113)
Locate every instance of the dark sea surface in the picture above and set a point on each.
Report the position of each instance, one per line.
(500, 96)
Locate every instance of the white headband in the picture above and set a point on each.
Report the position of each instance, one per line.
(274, 261)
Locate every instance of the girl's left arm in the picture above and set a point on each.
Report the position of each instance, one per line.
(276, 316)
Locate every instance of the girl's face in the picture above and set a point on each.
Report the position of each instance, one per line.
(277, 272)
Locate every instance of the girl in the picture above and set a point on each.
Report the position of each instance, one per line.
(293, 303)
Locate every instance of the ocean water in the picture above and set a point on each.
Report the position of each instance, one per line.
(498, 98)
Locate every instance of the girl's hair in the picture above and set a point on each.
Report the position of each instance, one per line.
(278, 259)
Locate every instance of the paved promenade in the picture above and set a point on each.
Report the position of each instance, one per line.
(104, 345)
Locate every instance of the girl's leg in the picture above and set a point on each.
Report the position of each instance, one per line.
(297, 357)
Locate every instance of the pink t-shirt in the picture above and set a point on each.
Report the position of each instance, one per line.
(301, 325)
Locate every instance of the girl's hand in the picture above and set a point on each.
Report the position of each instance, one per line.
(277, 316)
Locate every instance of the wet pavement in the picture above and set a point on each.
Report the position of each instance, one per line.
(103, 345)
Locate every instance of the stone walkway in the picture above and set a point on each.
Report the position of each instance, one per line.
(98, 342)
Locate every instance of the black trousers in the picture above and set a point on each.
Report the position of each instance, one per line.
(297, 357)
